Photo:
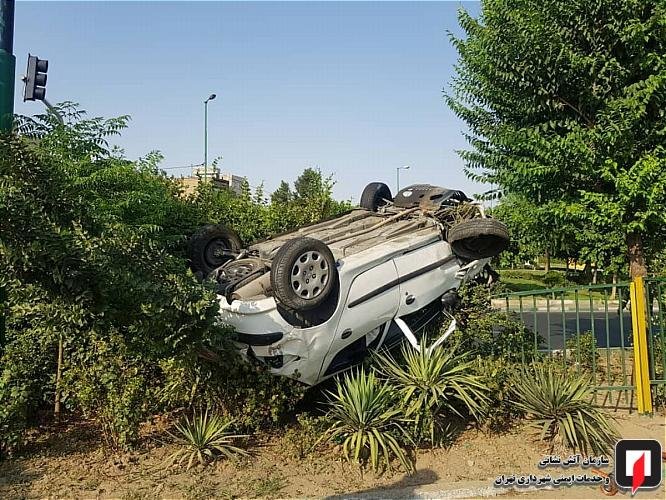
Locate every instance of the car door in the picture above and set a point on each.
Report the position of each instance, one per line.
(372, 301)
(424, 275)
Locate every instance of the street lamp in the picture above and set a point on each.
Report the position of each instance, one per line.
(210, 98)
(397, 175)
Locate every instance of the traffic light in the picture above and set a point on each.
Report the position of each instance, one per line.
(35, 79)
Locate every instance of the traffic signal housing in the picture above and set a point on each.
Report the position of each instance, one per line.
(35, 79)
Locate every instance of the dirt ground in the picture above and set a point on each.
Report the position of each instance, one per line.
(73, 463)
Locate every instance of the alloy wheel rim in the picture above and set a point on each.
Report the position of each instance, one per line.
(309, 275)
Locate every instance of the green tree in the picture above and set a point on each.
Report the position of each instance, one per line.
(309, 184)
(565, 105)
(282, 194)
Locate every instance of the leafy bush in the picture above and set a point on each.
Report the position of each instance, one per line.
(559, 405)
(301, 439)
(368, 422)
(204, 439)
(247, 393)
(496, 374)
(489, 332)
(554, 279)
(433, 386)
(583, 350)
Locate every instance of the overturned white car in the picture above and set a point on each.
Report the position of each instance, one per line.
(315, 301)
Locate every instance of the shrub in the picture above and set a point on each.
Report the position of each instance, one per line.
(204, 439)
(366, 419)
(559, 404)
(583, 350)
(299, 440)
(496, 375)
(247, 393)
(490, 332)
(433, 386)
(554, 279)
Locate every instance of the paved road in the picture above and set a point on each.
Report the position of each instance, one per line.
(607, 334)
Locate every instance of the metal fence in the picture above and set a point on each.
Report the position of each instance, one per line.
(590, 328)
(655, 294)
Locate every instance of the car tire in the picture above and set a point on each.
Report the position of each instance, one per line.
(474, 239)
(303, 274)
(206, 245)
(375, 195)
(234, 275)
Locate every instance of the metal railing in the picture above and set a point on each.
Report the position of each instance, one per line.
(655, 294)
(589, 327)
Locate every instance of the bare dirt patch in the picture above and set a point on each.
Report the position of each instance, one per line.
(72, 462)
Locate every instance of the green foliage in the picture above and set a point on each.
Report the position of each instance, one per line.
(301, 439)
(282, 195)
(496, 375)
(583, 349)
(490, 332)
(248, 394)
(365, 418)
(92, 252)
(254, 218)
(564, 103)
(559, 405)
(554, 279)
(433, 386)
(203, 439)
(81, 264)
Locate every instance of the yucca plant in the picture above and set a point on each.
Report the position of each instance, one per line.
(434, 385)
(559, 404)
(367, 420)
(204, 438)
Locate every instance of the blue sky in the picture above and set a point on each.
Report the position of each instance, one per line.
(352, 88)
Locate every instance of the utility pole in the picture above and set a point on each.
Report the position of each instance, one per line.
(7, 65)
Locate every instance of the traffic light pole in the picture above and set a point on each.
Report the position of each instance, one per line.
(7, 77)
(7, 64)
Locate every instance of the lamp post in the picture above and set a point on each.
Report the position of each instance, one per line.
(210, 98)
(397, 176)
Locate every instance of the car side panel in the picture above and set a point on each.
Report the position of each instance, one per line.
(425, 274)
(372, 301)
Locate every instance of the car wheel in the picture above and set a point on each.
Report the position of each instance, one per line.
(303, 274)
(233, 275)
(478, 238)
(212, 246)
(375, 195)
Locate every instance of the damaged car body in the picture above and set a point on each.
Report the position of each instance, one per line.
(315, 301)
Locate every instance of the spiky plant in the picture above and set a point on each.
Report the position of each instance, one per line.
(204, 438)
(559, 404)
(433, 386)
(366, 419)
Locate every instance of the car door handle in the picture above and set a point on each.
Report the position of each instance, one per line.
(347, 333)
(410, 300)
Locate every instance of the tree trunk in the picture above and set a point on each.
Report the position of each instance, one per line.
(637, 265)
(594, 275)
(547, 256)
(56, 408)
(614, 289)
